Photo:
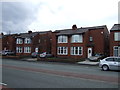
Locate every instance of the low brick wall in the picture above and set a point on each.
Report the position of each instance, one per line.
(60, 60)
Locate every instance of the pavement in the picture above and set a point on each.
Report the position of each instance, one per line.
(29, 59)
(86, 62)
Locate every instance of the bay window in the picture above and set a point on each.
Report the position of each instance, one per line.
(77, 39)
(117, 36)
(27, 40)
(19, 41)
(62, 50)
(18, 49)
(76, 50)
(62, 39)
(27, 49)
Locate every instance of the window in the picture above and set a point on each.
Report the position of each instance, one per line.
(76, 50)
(62, 39)
(27, 49)
(27, 40)
(77, 39)
(116, 51)
(19, 49)
(19, 41)
(62, 50)
(90, 39)
(117, 36)
(110, 59)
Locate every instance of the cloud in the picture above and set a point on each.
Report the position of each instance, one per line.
(16, 16)
(41, 15)
(61, 14)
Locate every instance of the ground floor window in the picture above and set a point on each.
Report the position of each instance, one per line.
(62, 50)
(18, 49)
(76, 50)
(116, 51)
(27, 49)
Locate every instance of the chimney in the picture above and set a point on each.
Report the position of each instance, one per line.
(2, 34)
(29, 32)
(74, 27)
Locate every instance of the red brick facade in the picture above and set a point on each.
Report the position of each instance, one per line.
(114, 43)
(39, 40)
(100, 43)
(8, 42)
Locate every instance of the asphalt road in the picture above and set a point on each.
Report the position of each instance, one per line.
(24, 74)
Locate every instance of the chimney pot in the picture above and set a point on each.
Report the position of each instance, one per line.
(74, 27)
(29, 32)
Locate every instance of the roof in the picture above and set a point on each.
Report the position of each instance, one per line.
(30, 35)
(115, 27)
(78, 31)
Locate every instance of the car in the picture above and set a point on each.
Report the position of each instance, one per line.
(45, 54)
(110, 63)
(34, 54)
(7, 52)
(96, 57)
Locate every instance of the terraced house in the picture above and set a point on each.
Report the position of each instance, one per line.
(26, 43)
(80, 42)
(115, 40)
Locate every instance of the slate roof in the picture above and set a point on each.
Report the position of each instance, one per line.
(79, 30)
(115, 27)
(30, 35)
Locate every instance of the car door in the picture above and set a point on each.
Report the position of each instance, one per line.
(111, 63)
(117, 63)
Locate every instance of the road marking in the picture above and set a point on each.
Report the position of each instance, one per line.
(3, 84)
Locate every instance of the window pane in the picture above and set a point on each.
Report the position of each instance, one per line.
(110, 59)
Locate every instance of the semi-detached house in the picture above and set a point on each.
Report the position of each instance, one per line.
(80, 42)
(26, 43)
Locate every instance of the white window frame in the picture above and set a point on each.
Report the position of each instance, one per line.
(73, 51)
(27, 49)
(78, 38)
(116, 50)
(90, 39)
(19, 49)
(62, 50)
(27, 40)
(19, 41)
(62, 39)
(117, 36)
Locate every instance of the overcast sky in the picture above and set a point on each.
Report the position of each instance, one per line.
(44, 15)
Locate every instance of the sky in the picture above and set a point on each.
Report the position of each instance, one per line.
(19, 16)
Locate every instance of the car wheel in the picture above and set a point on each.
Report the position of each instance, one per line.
(105, 68)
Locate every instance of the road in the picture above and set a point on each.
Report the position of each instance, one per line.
(24, 74)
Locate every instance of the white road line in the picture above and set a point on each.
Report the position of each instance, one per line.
(3, 84)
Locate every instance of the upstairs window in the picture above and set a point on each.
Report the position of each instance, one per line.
(19, 41)
(27, 40)
(77, 39)
(90, 39)
(117, 36)
(62, 39)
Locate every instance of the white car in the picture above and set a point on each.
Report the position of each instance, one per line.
(110, 63)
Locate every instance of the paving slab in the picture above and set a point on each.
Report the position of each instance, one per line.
(87, 62)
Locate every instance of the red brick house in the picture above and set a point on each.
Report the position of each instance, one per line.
(26, 43)
(80, 42)
(8, 42)
(115, 40)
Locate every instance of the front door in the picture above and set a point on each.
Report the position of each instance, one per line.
(89, 52)
(36, 49)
